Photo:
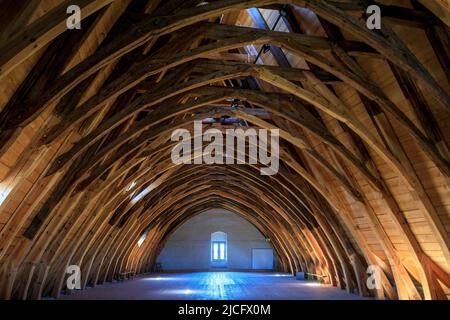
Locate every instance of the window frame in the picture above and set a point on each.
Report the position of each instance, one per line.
(219, 243)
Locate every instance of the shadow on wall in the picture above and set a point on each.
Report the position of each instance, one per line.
(216, 239)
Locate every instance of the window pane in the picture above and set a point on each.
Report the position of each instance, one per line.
(215, 251)
(222, 251)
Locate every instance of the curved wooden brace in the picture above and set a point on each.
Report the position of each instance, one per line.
(110, 147)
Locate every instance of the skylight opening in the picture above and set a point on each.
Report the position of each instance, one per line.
(131, 186)
(142, 194)
(4, 192)
(142, 239)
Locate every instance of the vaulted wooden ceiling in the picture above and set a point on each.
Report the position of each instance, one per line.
(86, 117)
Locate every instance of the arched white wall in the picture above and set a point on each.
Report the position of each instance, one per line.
(219, 236)
(189, 247)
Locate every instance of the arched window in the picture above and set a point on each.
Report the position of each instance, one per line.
(218, 247)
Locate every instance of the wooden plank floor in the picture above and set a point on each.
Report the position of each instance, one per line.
(213, 286)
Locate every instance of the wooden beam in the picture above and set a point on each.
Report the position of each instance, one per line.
(441, 8)
(38, 34)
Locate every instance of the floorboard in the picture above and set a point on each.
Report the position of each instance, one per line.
(214, 286)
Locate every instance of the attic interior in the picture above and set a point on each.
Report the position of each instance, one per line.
(87, 115)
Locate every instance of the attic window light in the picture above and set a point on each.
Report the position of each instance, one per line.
(142, 193)
(4, 192)
(142, 239)
(131, 186)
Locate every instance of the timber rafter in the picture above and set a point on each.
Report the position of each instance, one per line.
(364, 163)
